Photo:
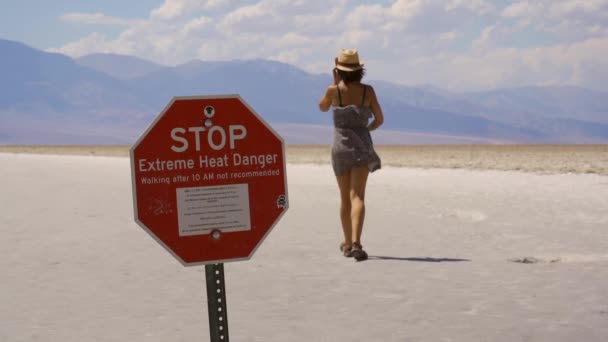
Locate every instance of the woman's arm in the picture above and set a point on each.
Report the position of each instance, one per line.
(326, 100)
(377, 110)
(330, 94)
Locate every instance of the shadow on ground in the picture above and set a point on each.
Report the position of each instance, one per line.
(419, 259)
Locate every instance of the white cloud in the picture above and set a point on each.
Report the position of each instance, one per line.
(197, 25)
(94, 43)
(573, 20)
(555, 8)
(451, 43)
(575, 64)
(95, 18)
(477, 6)
(367, 16)
(292, 56)
(494, 36)
(259, 17)
(176, 9)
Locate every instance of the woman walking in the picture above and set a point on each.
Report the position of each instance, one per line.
(353, 156)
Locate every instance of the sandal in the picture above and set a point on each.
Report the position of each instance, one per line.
(346, 250)
(358, 253)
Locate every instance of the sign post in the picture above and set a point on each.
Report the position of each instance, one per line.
(216, 303)
(209, 184)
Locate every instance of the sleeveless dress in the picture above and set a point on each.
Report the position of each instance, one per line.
(352, 146)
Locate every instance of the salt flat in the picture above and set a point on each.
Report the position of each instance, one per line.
(542, 159)
(447, 250)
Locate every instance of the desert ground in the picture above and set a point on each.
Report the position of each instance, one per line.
(545, 159)
(466, 243)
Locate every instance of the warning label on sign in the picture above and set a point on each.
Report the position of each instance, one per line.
(202, 210)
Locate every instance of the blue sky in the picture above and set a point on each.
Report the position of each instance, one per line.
(39, 22)
(453, 44)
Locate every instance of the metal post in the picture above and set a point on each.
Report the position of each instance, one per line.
(216, 302)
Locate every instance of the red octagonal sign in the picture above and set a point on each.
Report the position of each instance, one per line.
(209, 179)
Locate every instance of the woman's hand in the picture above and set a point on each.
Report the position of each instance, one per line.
(336, 76)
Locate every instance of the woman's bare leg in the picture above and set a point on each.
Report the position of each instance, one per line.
(345, 207)
(358, 182)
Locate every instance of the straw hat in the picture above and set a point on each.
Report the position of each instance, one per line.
(348, 60)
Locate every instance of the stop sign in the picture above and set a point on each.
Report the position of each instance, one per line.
(209, 179)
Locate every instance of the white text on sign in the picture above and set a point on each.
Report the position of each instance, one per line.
(216, 137)
(205, 162)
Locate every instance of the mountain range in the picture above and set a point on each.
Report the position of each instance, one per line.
(49, 98)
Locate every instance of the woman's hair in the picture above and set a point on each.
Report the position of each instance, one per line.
(351, 76)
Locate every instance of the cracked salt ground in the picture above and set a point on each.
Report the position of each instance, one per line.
(572, 258)
(466, 215)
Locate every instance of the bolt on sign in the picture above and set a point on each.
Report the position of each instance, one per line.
(209, 179)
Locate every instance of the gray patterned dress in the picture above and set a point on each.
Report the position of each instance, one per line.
(352, 146)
